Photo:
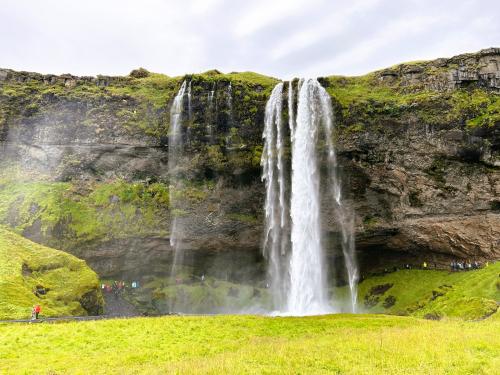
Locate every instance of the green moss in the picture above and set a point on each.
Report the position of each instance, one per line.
(466, 295)
(370, 222)
(155, 88)
(437, 171)
(70, 213)
(368, 100)
(25, 265)
(244, 218)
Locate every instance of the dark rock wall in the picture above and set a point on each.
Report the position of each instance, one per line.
(419, 158)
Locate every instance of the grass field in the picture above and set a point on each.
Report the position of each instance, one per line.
(466, 295)
(335, 344)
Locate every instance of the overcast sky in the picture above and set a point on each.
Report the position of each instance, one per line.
(281, 38)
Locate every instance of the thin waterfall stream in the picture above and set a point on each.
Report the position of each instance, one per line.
(175, 150)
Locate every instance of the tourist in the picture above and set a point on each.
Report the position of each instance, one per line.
(33, 313)
(115, 290)
(424, 265)
(38, 309)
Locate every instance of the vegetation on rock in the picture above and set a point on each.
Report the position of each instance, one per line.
(467, 295)
(30, 273)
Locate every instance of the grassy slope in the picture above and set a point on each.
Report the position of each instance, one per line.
(467, 295)
(67, 277)
(340, 344)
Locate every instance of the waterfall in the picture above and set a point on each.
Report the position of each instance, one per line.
(230, 97)
(273, 175)
(175, 149)
(344, 216)
(211, 114)
(190, 110)
(295, 253)
(211, 95)
(291, 120)
(307, 293)
(229, 103)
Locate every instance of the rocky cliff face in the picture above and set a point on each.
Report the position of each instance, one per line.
(84, 164)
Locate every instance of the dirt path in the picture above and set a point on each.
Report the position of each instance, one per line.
(115, 306)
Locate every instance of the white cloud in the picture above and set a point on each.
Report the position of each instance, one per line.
(283, 38)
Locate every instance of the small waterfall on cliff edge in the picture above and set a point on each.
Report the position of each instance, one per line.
(229, 102)
(175, 149)
(190, 110)
(211, 114)
(293, 239)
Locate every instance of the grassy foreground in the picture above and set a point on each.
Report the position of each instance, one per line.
(338, 344)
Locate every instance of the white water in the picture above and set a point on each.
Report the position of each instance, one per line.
(297, 269)
(307, 293)
(211, 114)
(344, 216)
(230, 97)
(190, 110)
(272, 157)
(175, 148)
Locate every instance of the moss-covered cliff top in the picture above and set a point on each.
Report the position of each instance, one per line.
(461, 90)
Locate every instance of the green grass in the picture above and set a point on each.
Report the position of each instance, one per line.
(467, 295)
(340, 344)
(25, 265)
(156, 88)
(366, 100)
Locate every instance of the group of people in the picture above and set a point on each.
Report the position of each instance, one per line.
(465, 265)
(118, 287)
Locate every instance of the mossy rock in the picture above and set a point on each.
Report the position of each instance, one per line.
(30, 273)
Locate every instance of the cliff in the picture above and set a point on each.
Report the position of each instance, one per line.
(84, 165)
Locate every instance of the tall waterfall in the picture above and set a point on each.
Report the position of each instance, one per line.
(273, 174)
(293, 240)
(175, 148)
(344, 216)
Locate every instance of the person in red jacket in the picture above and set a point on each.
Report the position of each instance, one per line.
(38, 309)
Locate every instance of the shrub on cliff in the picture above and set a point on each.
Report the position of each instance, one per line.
(139, 73)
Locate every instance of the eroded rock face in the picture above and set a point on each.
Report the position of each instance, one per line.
(460, 236)
(421, 189)
(482, 69)
(424, 194)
